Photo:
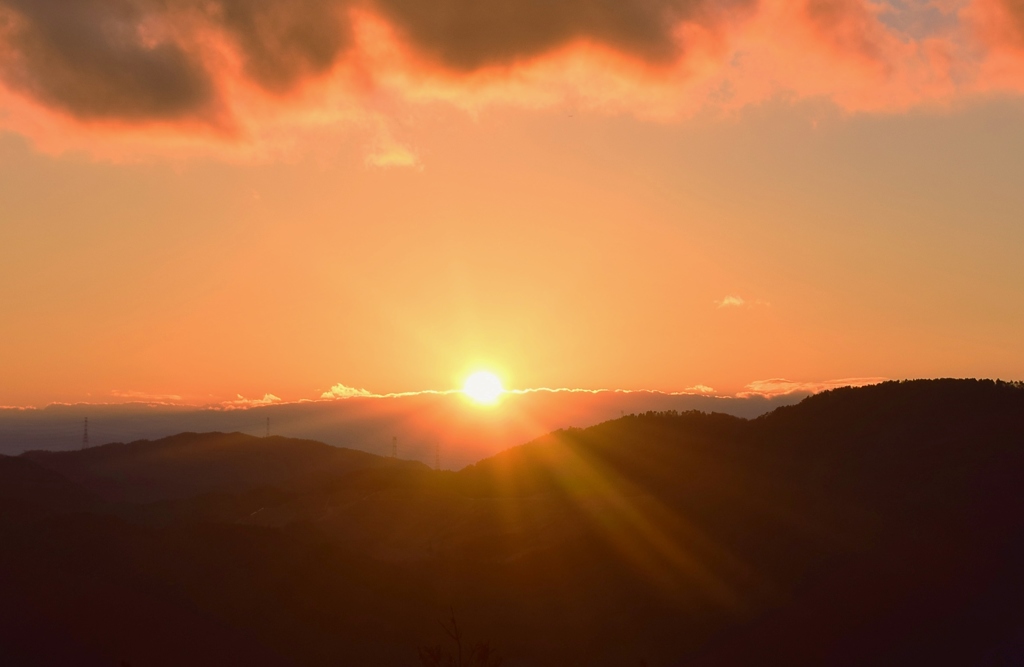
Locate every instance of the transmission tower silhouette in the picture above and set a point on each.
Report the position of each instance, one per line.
(394, 447)
(268, 427)
(85, 434)
(437, 456)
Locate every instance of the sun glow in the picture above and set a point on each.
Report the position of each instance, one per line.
(483, 387)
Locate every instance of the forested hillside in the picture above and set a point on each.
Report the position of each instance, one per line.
(878, 525)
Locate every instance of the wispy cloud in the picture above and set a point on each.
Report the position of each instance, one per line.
(733, 301)
(389, 153)
(341, 391)
(782, 387)
(144, 397)
(700, 389)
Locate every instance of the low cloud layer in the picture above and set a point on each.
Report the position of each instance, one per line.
(226, 70)
(243, 402)
(783, 387)
(341, 391)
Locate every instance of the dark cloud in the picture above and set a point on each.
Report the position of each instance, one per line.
(92, 59)
(467, 34)
(1015, 8)
(88, 58)
(99, 59)
(847, 25)
(284, 41)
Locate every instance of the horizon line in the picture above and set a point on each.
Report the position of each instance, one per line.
(758, 389)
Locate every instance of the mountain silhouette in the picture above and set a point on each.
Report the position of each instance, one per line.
(878, 525)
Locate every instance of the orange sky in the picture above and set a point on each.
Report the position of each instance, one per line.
(221, 203)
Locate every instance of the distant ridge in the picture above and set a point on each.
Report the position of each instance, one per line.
(191, 464)
(420, 421)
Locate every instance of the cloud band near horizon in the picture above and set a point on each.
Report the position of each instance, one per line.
(758, 389)
(224, 70)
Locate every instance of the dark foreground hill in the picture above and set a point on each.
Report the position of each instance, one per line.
(880, 525)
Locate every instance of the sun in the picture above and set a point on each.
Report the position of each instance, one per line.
(483, 387)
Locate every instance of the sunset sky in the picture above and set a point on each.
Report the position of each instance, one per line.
(205, 201)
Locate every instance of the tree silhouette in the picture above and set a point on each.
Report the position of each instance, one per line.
(479, 654)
